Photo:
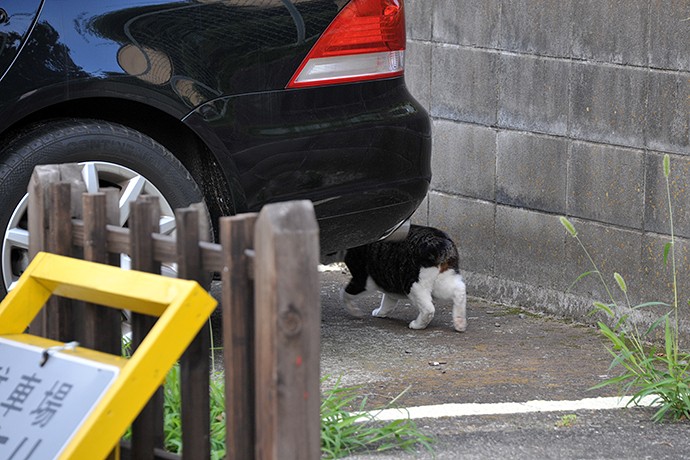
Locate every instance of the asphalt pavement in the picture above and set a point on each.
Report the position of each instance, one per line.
(507, 355)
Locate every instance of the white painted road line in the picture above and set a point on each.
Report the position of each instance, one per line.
(463, 410)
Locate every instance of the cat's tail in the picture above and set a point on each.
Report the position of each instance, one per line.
(438, 252)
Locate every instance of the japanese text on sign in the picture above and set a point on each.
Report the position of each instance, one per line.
(42, 406)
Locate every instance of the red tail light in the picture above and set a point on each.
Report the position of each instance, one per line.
(365, 41)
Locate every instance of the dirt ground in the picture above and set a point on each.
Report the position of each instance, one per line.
(506, 354)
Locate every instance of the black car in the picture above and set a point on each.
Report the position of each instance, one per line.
(236, 103)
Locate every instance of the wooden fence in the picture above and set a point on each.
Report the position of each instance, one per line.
(270, 307)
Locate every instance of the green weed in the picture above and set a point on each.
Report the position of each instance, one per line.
(172, 421)
(345, 431)
(566, 421)
(645, 370)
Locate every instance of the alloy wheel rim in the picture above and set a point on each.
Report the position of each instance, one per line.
(15, 244)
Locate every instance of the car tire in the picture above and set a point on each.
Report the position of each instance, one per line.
(117, 155)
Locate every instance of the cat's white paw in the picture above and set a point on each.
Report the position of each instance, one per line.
(460, 324)
(377, 313)
(348, 301)
(417, 325)
(422, 321)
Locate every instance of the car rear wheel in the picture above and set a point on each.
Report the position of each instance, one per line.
(111, 155)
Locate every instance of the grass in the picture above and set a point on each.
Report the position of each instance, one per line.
(645, 369)
(344, 430)
(172, 421)
(566, 421)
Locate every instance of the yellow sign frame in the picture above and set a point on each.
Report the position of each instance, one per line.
(183, 307)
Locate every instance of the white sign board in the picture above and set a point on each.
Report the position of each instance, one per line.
(42, 406)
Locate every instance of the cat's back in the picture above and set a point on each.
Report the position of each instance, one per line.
(396, 266)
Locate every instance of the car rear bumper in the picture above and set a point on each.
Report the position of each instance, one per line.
(359, 152)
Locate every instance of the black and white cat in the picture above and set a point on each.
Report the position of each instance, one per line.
(419, 268)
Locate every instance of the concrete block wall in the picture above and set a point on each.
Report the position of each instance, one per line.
(544, 109)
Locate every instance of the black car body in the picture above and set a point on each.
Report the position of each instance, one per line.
(214, 84)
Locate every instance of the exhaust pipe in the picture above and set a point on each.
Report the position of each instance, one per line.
(399, 232)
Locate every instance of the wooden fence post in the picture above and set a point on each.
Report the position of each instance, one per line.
(144, 221)
(62, 320)
(38, 227)
(194, 365)
(52, 322)
(288, 319)
(102, 326)
(237, 237)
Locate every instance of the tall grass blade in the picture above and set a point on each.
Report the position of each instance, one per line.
(621, 282)
(568, 226)
(644, 371)
(667, 249)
